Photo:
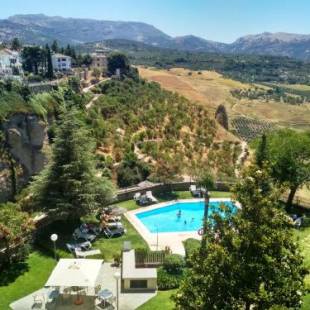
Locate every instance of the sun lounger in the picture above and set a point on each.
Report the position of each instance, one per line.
(83, 254)
(84, 246)
(78, 234)
(136, 196)
(192, 188)
(117, 232)
(298, 222)
(150, 196)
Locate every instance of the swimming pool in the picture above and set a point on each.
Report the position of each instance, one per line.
(180, 216)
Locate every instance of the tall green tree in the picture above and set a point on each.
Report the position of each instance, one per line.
(50, 70)
(118, 61)
(34, 59)
(70, 183)
(261, 154)
(289, 154)
(221, 116)
(252, 260)
(55, 47)
(16, 45)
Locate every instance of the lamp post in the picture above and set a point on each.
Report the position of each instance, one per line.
(54, 238)
(117, 276)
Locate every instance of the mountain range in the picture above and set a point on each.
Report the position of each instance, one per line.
(41, 29)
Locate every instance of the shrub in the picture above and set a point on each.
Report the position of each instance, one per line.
(168, 281)
(174, 263)
(191, 246)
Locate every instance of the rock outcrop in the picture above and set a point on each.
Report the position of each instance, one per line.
(26, 138)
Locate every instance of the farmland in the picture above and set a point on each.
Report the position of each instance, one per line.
(211, 89)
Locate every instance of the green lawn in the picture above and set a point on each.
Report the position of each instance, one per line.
(160, 301)
(303, 236)
(24, 278)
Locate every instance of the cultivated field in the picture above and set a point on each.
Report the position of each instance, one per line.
(211, 89)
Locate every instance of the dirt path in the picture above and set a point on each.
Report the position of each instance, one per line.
(90, 103)
(242, 157)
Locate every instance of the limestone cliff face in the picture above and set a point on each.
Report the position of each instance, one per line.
(26, 138)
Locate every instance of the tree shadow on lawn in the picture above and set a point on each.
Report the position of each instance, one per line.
(165, 196)
(64, 230)
(12, 272)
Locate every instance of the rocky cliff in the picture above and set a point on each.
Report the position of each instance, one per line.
(26, 140)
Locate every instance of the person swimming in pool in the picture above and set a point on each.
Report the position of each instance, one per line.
(185, 222)
(179, 213)
(192, 219)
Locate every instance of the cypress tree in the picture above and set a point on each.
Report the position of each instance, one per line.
(50, 71)
(262, 152)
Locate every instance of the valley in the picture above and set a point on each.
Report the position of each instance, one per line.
(210, 89)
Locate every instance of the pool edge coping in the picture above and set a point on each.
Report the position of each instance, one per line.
(174, 240)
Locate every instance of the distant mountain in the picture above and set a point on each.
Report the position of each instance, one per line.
(192, 43)
(277, 44)
(41, 29)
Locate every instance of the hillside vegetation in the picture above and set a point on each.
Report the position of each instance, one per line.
(211, 89)
(163, 129)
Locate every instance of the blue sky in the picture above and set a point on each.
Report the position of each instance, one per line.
(220, 20)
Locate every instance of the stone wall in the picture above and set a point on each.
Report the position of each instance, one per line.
(128, 193)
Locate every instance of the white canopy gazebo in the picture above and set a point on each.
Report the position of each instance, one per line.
(75, 273)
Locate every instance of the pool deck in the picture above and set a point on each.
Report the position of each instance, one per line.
(173, 240)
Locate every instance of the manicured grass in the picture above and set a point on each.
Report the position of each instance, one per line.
(160, 301)
(303, 237)
(24, 278)
(111, 247)
(306, 304)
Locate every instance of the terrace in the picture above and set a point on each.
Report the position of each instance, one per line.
(27, 279)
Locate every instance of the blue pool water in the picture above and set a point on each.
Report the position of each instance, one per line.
(166, 219)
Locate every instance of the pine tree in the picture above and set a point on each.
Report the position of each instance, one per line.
(54, 46)
(252, 260)
(69, 183)
(16, 44)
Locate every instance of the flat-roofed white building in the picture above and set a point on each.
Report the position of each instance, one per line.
(10, 63)
(61, 62)
(137, 279)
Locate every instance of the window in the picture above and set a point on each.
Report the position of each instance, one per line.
(64, 59)
(138, 283)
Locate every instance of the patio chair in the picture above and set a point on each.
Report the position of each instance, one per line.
(38, 301)
(97, 289)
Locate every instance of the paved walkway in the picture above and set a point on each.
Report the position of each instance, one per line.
(127, 301)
